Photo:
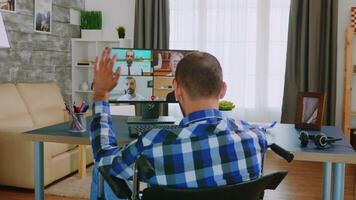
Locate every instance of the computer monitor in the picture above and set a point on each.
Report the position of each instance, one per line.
(146, 76)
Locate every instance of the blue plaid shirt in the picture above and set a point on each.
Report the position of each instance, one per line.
(209, 150)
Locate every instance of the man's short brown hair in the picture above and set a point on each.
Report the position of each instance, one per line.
(200, 74)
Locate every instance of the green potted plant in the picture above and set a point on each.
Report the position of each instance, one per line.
(91, 24)
(226, 107)
(121, 32)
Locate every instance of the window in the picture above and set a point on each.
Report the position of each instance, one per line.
(249, 37)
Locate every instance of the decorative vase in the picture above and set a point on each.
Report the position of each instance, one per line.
(91, 34)
(121, 35)
(226, 113)
(84, 86)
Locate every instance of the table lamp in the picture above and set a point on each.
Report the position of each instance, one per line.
(4, 43)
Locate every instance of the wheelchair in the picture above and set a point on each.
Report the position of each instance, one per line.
(249, 190)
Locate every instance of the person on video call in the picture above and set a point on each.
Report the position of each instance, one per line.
(131, 67)
(131, 92)
(204, 152)
(173, 62)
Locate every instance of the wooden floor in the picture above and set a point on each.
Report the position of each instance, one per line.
(304, 182)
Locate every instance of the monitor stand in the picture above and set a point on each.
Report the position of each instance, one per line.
(150, 115)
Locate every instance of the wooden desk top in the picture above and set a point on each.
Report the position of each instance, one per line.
(284, 135)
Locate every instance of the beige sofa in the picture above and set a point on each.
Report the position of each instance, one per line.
(23, 107)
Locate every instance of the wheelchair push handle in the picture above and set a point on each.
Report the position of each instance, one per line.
(288, 156)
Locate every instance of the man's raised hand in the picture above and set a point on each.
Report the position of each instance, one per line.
(104, 77)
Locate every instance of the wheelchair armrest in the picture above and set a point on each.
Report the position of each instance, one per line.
(144, 167)
(117, 185)
(275, 179)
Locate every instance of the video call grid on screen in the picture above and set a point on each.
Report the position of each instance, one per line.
(146, 75)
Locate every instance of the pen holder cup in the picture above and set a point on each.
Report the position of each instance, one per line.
(78, 122)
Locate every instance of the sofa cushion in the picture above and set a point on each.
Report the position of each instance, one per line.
(44, 102)
(13, 108)
(50, 116)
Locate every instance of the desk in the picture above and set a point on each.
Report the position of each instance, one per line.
(284, 135)
(59, 133)
(334, 157)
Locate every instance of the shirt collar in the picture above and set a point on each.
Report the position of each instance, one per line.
(200, 116)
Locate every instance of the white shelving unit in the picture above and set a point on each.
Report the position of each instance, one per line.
(87, 50)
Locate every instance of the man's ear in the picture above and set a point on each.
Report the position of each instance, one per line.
(174, 83)
(177, 89)
(223, 90)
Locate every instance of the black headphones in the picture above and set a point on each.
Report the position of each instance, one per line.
(320, 140)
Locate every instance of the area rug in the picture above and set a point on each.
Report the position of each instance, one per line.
(72, 186)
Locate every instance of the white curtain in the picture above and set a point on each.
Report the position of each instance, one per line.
(249, 37)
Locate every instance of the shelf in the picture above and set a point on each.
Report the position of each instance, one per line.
(84, 66)
(81, 40)
(349, 69)
(163, 88)
(92, 40)
(84, 91)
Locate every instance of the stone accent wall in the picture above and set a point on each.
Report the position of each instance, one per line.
(40, 57)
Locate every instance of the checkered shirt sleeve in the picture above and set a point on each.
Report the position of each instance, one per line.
(105, 149)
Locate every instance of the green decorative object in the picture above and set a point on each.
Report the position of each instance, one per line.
(226, 105)
(91, 20)
(121, 32)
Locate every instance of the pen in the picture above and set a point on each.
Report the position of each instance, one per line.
(81, 107)
(70, 112)
(85, 107)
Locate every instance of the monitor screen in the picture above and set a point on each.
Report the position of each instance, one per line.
(146, 75)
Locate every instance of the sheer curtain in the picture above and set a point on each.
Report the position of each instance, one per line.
(249, 37)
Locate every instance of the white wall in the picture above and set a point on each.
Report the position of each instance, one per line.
(115, 13)
(343, 23)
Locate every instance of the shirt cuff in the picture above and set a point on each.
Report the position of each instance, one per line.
(100, 107)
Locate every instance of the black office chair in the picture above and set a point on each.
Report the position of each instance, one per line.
(250, 190)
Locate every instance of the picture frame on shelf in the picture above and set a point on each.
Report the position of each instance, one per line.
(43, 16)
(310, 110)
(7, 5)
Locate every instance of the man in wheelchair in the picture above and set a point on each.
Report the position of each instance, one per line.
(208, 150)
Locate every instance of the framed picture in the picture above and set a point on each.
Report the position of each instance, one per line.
(8, 5)
(310, 110)
(43, 16)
